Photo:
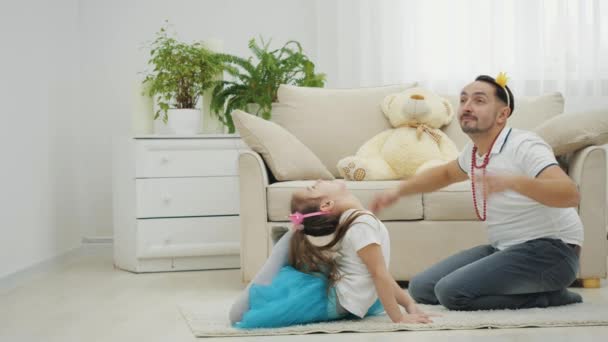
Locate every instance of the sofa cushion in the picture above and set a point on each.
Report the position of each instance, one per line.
(530, 111)
(286, 157)
(452, 203)
(570, 132)
(407, 208)
(333, 123)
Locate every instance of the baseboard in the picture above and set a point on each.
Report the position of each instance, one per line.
(13, 280)
(97, 239)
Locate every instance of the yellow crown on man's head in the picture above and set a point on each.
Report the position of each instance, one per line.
(501, 80)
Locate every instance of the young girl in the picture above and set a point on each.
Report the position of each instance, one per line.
(347, 276)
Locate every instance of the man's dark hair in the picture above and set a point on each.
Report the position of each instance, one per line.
(500, 91)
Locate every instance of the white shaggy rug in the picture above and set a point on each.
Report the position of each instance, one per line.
(210, 319)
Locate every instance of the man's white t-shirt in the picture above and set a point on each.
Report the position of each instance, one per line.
(513, 218)
(356, 290)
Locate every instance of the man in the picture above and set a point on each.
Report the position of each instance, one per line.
(526, 201)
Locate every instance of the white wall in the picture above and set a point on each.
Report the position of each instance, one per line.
(113, 37)
(68, 72)
(38, 100)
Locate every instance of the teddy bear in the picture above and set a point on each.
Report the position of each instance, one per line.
(414, 144)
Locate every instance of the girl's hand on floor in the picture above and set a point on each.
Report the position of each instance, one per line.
(414, 309)
(415, 318)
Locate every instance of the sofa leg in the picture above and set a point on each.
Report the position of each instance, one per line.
(591, 283)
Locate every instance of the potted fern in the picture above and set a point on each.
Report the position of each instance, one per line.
(255, 84)
(181, 73)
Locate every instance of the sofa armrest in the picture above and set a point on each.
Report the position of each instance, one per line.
(253, 181)
(588, 168)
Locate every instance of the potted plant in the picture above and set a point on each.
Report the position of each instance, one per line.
(181, 73)
(257, 83)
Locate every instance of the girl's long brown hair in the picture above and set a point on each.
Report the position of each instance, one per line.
(306, 257)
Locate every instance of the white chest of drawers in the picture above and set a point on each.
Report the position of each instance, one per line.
(176, 203)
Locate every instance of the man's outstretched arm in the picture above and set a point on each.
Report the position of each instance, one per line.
(552, 187)
(426, 181)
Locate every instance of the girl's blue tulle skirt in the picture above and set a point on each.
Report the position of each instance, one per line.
(293, 297)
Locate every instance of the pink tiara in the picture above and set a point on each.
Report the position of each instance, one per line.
(297, 218)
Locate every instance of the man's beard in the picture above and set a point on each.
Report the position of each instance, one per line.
(475, 129)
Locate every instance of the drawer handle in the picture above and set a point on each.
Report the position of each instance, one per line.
(164, 159)
(166, 198)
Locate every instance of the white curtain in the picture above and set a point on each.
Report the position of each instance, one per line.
(543, 46)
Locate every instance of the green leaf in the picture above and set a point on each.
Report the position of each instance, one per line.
(257, 79)
(180, 72)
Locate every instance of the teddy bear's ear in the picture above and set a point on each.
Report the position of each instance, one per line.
(450, 110)
(386, 104)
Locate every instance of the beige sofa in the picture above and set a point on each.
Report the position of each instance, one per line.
(424, 228)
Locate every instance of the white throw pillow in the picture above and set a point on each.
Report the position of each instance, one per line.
(570, 132)
(287, 158)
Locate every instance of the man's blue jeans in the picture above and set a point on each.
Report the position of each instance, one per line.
(532, 274)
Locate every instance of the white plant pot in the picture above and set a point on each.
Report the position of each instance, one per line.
(184, 121)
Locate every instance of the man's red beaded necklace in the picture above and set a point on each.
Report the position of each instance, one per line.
(483, 167)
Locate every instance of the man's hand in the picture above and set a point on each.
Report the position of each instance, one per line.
(383, 200)
(494, 183)
(552, 187)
